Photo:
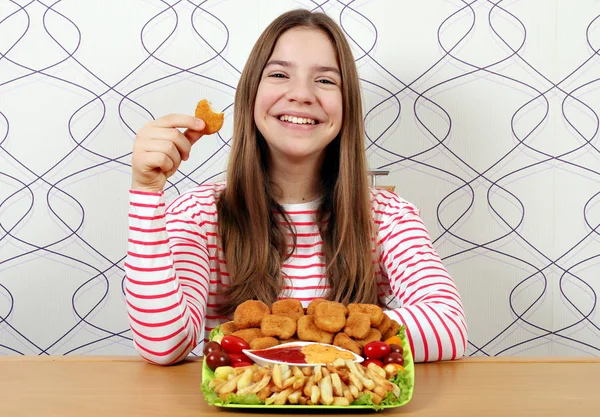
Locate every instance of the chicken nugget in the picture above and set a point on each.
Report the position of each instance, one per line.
(263, 342)
(290, 340)
(345, 342)
(372, 336)
(374, 311)
(307, 331)
(249, 314)
(279, 326)
(330, 316)
(392, 331)
(289, 307)
(385, 324)
(213, 121)
(248, 334)
(228, 327)
(313, 305)
(357, 325)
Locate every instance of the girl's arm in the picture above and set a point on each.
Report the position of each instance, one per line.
(166, 285)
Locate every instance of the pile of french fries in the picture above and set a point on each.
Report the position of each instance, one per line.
(339, 383)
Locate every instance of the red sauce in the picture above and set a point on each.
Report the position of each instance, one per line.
(292, 354)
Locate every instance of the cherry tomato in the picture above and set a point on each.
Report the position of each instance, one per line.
(239, 357)
(376, 350)
(216, 359)
(212, 347)
(234, 344)
(241, 364)
(393, 339)
(375, 361)
(395, 348)
(394, 358)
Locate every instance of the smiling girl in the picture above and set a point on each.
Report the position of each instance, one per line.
(295, 217)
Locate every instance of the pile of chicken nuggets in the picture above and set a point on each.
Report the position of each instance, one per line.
(350, 327)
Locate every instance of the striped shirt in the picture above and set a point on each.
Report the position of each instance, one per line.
(176, 274)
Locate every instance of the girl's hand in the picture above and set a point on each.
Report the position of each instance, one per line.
(160, 147)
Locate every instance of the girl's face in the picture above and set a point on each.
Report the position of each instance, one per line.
(298, 107)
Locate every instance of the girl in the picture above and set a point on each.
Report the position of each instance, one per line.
(295, 218)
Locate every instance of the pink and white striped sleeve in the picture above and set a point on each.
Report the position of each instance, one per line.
(431, 308)
(166, 285)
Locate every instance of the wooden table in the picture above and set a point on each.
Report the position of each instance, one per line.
(109, 386)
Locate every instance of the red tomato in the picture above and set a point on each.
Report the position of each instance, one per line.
(212, 347)
(396, 348)
(234, 344)
(376, 350)
(239, 357)
(375, 361)
(394, 358)
(241, 364)
(216, 359)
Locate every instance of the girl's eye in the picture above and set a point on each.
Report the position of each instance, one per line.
(324, 81)
(277, 75)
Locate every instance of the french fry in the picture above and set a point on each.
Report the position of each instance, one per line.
(336, 383)
(282, 397)
(307, 370)
(256, 387)
(288, 382)
(348, 394)
(315, 394)
(356, 382)
(245, 380)
(294, 397)
(229, 386)
(376, 370)
(297, 372)
(357, 370)
(299, 383)
(302, 400)
(270, 400)
(277, 376)
(308, 386)
(326, 390)
(354, 391)
(374, 397)
(317, 373)
(340, 401)
(263, 393)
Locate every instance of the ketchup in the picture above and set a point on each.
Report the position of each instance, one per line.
(291, 354)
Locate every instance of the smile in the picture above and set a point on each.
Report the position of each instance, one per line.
(298, 120)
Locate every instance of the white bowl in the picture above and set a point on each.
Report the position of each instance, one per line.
(264, 362)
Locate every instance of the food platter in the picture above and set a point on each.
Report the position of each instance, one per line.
(404, 380)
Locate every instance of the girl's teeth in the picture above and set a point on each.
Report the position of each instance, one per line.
(297, 120)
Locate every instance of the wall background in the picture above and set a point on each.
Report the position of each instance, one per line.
(485, 113)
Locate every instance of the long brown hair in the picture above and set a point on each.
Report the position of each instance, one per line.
(253, 242)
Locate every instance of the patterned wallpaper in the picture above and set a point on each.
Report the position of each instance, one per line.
(484, 112)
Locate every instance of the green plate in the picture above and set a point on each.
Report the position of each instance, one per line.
(405, 381)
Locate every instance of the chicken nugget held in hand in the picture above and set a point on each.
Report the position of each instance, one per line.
(330, 316)
(282, 327)
(249, 314)
(307, 331)
(288, 307)
(357, 325)
(213, 121)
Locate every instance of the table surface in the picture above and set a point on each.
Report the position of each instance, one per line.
(127, 386)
